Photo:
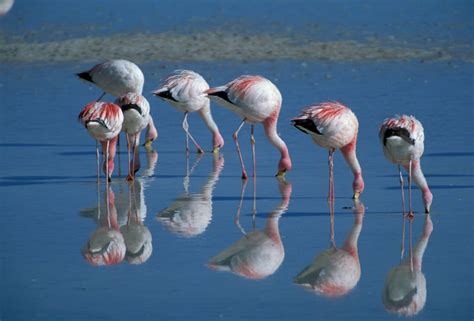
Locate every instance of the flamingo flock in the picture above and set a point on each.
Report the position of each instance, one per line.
(255, 100)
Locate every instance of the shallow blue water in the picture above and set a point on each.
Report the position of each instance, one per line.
(47, 180)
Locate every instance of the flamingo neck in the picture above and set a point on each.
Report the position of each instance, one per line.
(349, 153)
(270, 126)
(350, 244)
(420, 181)
(206, 116)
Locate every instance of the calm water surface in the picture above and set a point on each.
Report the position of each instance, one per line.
(177, 231)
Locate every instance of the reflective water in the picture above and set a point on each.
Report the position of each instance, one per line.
(188, 239)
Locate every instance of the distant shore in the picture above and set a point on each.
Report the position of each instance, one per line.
(221, 45)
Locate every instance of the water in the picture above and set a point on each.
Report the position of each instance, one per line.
(49, 195)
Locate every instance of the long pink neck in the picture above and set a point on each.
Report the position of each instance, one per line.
(206, 116)
(420, 181)
(271, 227)
(350, 244)
(349, 153)
(270, 126)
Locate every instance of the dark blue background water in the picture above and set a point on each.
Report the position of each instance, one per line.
(47, 170)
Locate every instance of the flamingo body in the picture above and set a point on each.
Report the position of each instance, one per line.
(102, 120)
(402, 138)
(183, 90)
(257, 100)
(136, 111)
(116, 77)
(334, 126)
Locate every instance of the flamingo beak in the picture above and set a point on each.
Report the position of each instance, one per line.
(147, 145)
(427, 210)
(281, 173)
(356, 195)
(216, 149)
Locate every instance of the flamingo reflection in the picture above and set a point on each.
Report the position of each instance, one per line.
(259, 253)
(138, 239)
(190, 214)
(106, 245)
(404, 291)
(336, 271)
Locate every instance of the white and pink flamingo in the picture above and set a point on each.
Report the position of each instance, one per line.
(119, 77)
(402, 138)
(183, 90)
(103, 121)
(333, 126)
(257, 100)
(136, 113)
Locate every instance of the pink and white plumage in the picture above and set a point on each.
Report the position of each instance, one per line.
(336, 271)
(257, 100)
(119, 77)
(334, 126)
(402, 138)
(103, 122)
(183, 90)
(136, 112)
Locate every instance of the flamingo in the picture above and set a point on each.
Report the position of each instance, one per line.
(402, 138)
(259, 253)
(257, 100)
(137, 236)
(183, 90)
(106, 245)
(136, 113)
(404, 291)
(119, 77)
(336, 271)
(334, 126)
(103, 121)
(191, 213)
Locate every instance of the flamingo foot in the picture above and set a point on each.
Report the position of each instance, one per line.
(130, 178)
(411, 215)
(200, 151)
(244, 175)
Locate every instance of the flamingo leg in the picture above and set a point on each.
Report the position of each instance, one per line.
(252, 143)
(237, 215)
(118, 155)
(101, 96)
(107, 166)
(136, 154)
(410, 213)
(129, 176)
(331, 176)
(236, 140)
(189, 136)
(331, 197)
(402, 251)
(97, 160)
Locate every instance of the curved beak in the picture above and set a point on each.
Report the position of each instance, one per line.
(356, 195)
(147, 144)
(281, 173)
(216, 149)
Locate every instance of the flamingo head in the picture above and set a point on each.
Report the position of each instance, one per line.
(217, 142)
(283, 166)
(358, 185)
(427, 199)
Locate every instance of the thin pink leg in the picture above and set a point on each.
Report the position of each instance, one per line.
(402, 252)
(252, 142)
(97, 161)
(188, 135)
(107, 164)
(410, 213)
(331, 197)
(129, 176)
(236, 140)
(237, 215)
(118, 155)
